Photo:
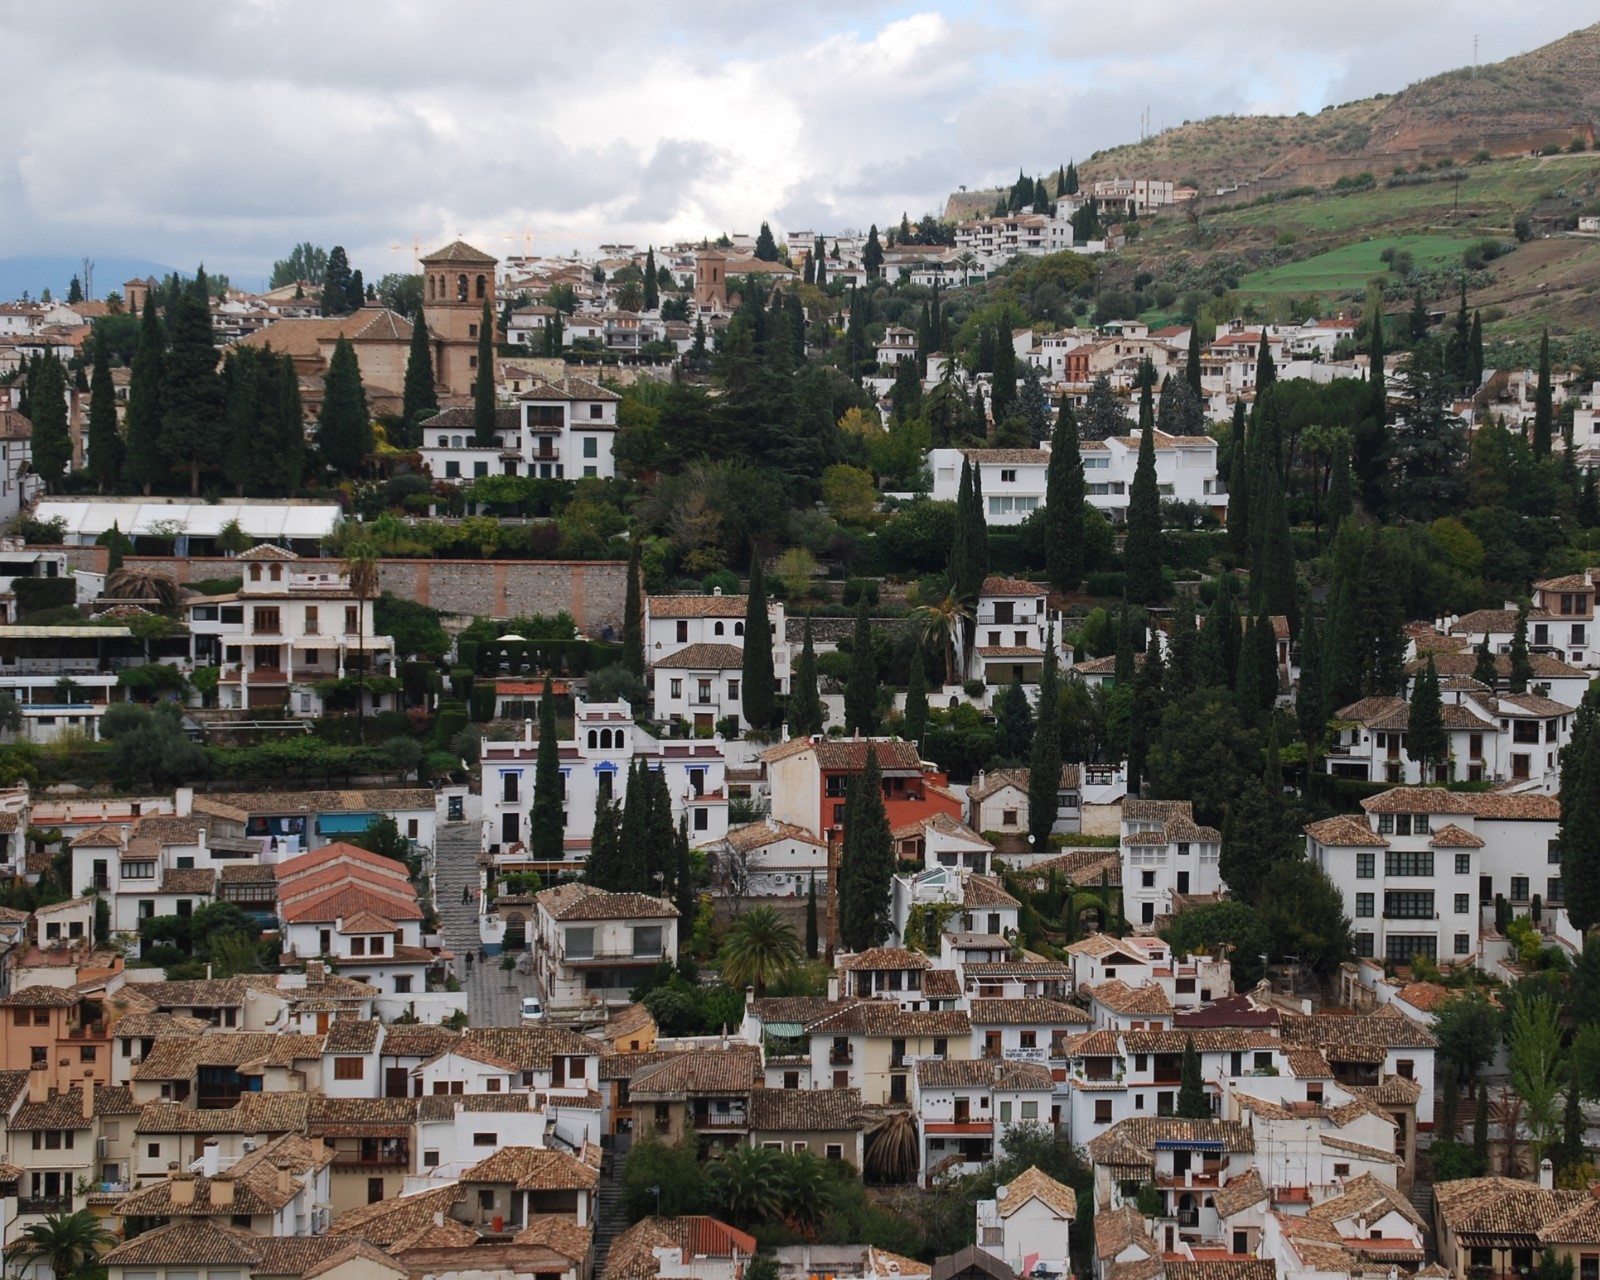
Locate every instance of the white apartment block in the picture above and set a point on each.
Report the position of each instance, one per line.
(560, 430)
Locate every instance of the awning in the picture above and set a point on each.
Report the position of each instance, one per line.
(330, 824)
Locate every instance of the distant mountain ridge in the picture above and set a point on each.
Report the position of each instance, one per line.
(34, 274)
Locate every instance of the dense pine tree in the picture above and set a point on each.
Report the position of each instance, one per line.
(766, 247)
(337, 281)
(105, 441)
(1044, 761)
(805, 701)
(861, 687)
(344, 429)
(545, 825)
(1064, 508)
(1544, 418)
(51, 455)
(143, 463)
(1142, 553)
(759, 693)
(867, 863)
(191, 396)
(420, 397)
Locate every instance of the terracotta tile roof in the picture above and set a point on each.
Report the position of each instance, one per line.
(805, 1110)
(459, 252)
(350, 1117)
(534, 1169)
(981, 891)
(1465, 663)
(1377, 1155)
(632, 1255)
(848, 755)
(1424, 996)
(1516, 805)
(166, 829)
(562, 1235)
(143, 1023)
(941, 983)
(1239, 1194)
(1004, 457)
(997, 586)
(1132, 1142)
(886, 1018)
(1042, 970)
(982, 1073)
(704, 657)
(885, 958)
(189, 1242)
(416, 1041)
(1491, 620)
(40, 998)
(1451, 836)
(699, 606)
(197, 880)
(887, 1266)
(98, 837)
(1034, 1183)
(1343, 832)
(391, 1220)
(1119, 997)
(586, 902)
(62, 1111)
(1392, 1091)
(1388, 1028)
(1118, 1230)
(1366, 1196)
(1031, 1011)
(624, 1066)
(1206, 1040)
(529, 1048)
(1418, 800)
(448, 1234)
(255, 1179)
(724, 1071)
(1534, 705)
(1223, 1269)
(768, 831)
(1083, 866)
(347, 901)
(255, 1113)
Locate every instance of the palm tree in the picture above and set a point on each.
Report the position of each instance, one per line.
(67, 1241)
(890, 1154)
(807, 1193)
(760, 948)
(630, 297)
(361, 573)
(749, 1185)
(945, 624)
(148, 585)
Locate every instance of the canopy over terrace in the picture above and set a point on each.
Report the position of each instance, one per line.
(194, 526)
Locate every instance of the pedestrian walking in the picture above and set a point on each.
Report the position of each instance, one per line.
(464, 893)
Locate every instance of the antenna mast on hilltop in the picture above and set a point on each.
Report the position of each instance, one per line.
(1474, 57)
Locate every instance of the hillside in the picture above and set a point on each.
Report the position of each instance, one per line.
(1551, 94)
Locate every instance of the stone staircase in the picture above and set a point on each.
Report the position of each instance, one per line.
(456, 850)
(609, 1219)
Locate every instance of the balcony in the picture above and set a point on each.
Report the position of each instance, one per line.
(44, 1204)
(709, 1119)
(841, 1057)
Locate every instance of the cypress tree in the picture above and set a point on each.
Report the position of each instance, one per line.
(1266, 367)
(805, 702)
(1232, 632)
(289, 434)
(812, 937)
(977, 566)
(1247, 691)
(336, 282)
(1580, 816)
(483, 397)
(1192, 1101)
(916, 713)
(1544, 417)
(758, 696)
(1265, 657)
(1072, 178)
(191, 397)
(1483, 668)
(1426, 740)
(1142, 554)
(420, 396)
(1521, 664)
(1044, 762)
(1272, 578)
(1340, 502)
(344, 428)
(242, 386)
(861, 688)
(864, 920)
(545, 824)
(1125, 668)
(1371, 441)
(1183, 644)
(1310, 711)
(633, 613)
(660, 838)
(635, 837)
(116, 547)
(1191, 368)
(956, 569)
(1003, 389)
(1064, 505)
(603, 867)
(105, 442)
(688, 899)
(1239, 486)
(1211, 653)
(652, 283)
(1147, 409)
(1475, 352)
(51, 449)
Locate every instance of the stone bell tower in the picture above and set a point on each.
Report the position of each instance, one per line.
(456, 281)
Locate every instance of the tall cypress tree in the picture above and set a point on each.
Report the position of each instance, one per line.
(1521, 664)
(635, 862)
(1272, 577)
(1192, 1101)
(603, 867)
(1063, 505)
(1239, 486)
(805, 702)
(861, 687)
(1475, 353)
(1544, 416)
(864, 919)
(545, 825)
(191, 398)
(1484, 669)
(687, 895)
(483, 396)
(336, 282)
(242, 384)
(1426, 740)
(289, 430)
(1580, 816)
(660, 838)
(633, 613)
(344, 428)
(1310, 710)
(812, 935)
(758, 696)
(977, 568)
(1266, 367)
(1340, 502)
(51, 448)
(1044, 762)
(1003, 389)
(1183, 644)
(1371, 449)
(420, 398)
(1142, 553)
(1191, 367)
(916, 714)
(105, 442)
(652, 283)
(144, 463)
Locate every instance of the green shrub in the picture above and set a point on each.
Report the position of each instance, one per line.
(856, 588)
(35, 595)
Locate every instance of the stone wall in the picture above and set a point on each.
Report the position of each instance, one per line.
(592, 591)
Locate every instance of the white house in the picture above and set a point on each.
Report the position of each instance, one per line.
(1166, 855)
(700, 685)
(559, 430)
(1013, 627)
(1028, 1225)
(595, 763)
(675, 623)
(1013, 480)
(964, 1108)
(768, 859)
(591, 947)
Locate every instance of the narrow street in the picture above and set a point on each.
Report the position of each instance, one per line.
(494, 997)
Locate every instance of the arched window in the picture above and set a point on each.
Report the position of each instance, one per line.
(592, 737)
(255, 573)
(277, 573)
(461, 288)
(716, 629)
(738, 628)
(431, 280)
(482, 289)
(455, 442)
(605, 739)
(444, 442)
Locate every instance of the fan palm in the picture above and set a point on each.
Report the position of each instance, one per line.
(890, 1154)
(944, 623)
(148, 585)
(67, 1241)
(807, 1192)
(749, 1185)
(760, 948)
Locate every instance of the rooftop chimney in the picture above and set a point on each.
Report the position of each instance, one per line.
(39, 1082)
(285, 1181)
(210, 1158)
(1547, 1174)
(182, 1190)
(833, 987)
(222, 1193)
(86, 1096)
(527, 730)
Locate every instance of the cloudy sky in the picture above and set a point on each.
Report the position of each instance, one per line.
(191, 129)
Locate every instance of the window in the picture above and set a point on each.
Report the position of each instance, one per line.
(733, 690)
(430, 1159)
(1008, 476)
(452, 469)
(1364, 905)
(1463, 944)
(1386, 820)
(352, 616)
(1463, 864)
(1589, 1266)
(1519, 888)
(1365, 864)
(1008, 817)
(510, 787)
(138, 871)
(596, 411)
(1463, 903)
(1408, 904)
(591, 446)
(834, 1151)
(152, 1151)
(1030, 1110)
(480, 468)
(647, 940)
(402, 985)
(580, 944)
(1554, 890)
(349, 1068)
(311, 620)
(1403, 862)
(702, 819)
(675, 688)
(1363, 944)
(1102, 1111)
(266, 622)
(1399, 948)
(483, 1140)
(1005, 1113)
(86, 1053)
(1552, 852)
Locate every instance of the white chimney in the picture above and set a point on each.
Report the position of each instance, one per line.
(210, 1158)
(1547, 1174)
(833, 987)
(527, 730)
